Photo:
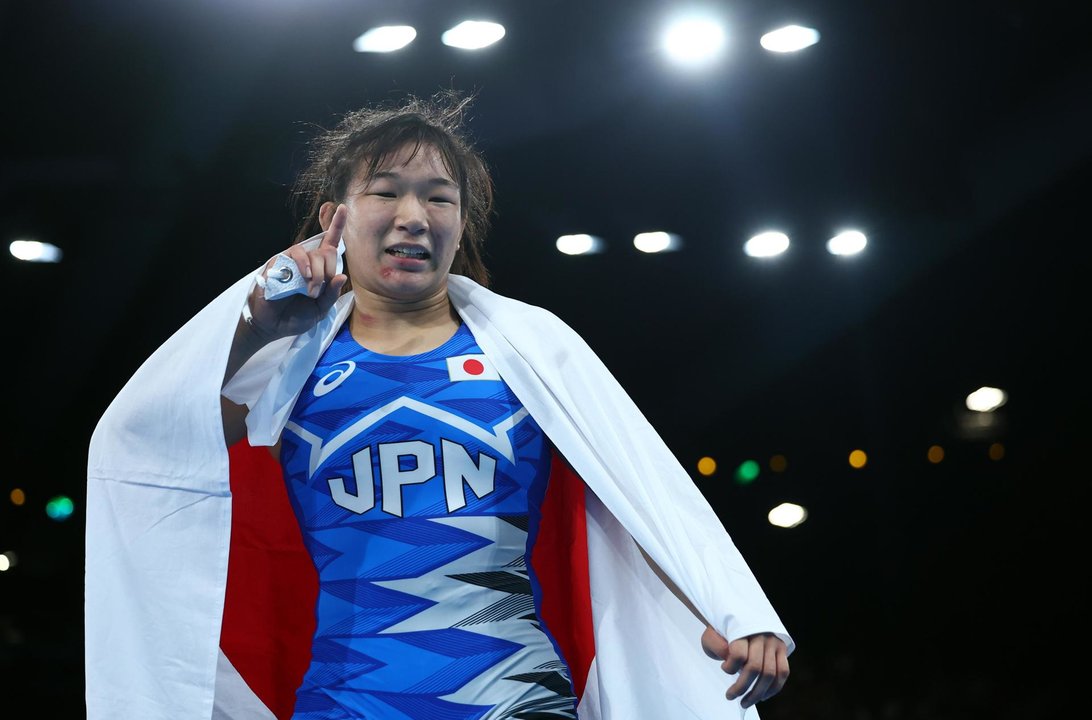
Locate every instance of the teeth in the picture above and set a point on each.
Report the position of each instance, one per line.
(405, 252)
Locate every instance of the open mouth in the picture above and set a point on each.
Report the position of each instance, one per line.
(409, 252)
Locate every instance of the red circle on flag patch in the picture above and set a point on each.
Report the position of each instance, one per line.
(473, 367)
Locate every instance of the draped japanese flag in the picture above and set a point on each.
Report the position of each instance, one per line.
(272, 587)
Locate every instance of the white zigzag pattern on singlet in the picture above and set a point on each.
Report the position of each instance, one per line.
(496, 438)
(490, 687)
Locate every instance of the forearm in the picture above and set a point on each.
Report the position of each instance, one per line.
(672, 586)
(246, 342)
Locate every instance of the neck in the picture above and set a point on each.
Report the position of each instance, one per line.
(395, 327)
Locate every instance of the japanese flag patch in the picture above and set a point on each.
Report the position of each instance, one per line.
(471, 367)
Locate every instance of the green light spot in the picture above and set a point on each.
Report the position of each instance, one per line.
(59, 508)
(747, 472)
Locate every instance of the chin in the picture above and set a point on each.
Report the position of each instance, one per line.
(409, 289)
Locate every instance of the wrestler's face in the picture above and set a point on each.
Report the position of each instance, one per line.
(403, 227)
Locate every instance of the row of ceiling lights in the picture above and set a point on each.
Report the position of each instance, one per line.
(689, 40)
(467, 35)
(763, 245)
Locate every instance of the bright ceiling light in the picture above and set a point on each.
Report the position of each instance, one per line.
(578, 244)
(790, 38)
(767, 244)
(473, 34)
(654, 242)
(693, 41)
(849, 242)
(34, 251)
(986, 399)
(787, 515)
(385, 39)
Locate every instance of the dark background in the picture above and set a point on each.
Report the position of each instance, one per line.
(155, 142)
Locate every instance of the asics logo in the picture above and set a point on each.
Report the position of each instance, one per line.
(330, 381)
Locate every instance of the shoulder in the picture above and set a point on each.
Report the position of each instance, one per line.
(531, 328)
(465, 292)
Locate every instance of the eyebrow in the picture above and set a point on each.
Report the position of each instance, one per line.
(390, 175)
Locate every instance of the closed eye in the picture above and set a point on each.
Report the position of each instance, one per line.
(442, 200)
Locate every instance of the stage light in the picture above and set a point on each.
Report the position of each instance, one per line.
(986, 399)
(579, 244)
(8, 560)
(385, 39)
(767, 244)
(34, 251)
(655, 242)
(18, 497)
(473, 34)
(858, 459)
(935, 454)
(787, 515)
(707, 466)
(996, 451)
(5, 564)
(850, 242)
(693, 41)
(779, 463)
(790, 38)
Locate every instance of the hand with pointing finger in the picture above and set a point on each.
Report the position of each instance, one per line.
(298, 313)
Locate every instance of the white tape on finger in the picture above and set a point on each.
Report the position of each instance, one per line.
(283, 279)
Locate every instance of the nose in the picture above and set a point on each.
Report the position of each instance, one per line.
(412, 216)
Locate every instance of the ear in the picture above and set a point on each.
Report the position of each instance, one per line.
(326, 214)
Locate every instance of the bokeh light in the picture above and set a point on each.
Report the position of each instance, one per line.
(767, 244)
(579, 244)
(60, 508)
(791, 38)
(385, 39)
(473, 34)
(694, 41)
(747, 472)
(35, 251)
(787, 515)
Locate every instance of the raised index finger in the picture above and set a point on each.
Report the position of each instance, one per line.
(332, 236)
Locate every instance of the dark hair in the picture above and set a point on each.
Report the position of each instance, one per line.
(368, 137)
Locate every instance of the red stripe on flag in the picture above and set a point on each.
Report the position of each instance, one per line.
(272, 585)
(560, 562)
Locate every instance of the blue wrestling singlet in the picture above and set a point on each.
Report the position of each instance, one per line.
(417, 482)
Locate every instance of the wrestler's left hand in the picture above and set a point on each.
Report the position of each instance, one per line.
(762, 661)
